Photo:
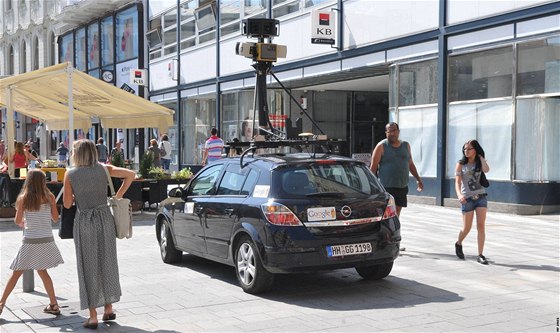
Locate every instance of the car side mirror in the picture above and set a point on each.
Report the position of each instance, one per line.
(176, 192)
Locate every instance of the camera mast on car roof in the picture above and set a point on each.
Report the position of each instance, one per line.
(263, 55)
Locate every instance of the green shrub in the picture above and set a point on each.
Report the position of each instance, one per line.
(145, 164)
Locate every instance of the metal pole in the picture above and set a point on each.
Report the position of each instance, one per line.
(10, 129)
(69, 70)
(28, 281)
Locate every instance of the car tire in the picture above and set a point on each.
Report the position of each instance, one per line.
(251, 275)
(169, 254)
(375, 272)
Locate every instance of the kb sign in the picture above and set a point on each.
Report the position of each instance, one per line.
(323, 27)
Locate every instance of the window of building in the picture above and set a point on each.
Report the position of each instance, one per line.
(284, 7)
(107, 41)
(154, 37)
(93, 49)
(188, 25)
(11, 61)
(255, 8)
(538, 70)
(35, 57)
(52, 49)
(8, 4)
(537, 117)
(418, 83)
(169, 32)
(481, 75)
(126, 23)
(81, 49)
(198, 116)
(23, 58)
(230, 15)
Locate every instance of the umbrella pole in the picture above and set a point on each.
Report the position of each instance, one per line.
(69, 71)
(10, 148)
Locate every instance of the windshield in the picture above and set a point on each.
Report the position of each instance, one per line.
(328, 179)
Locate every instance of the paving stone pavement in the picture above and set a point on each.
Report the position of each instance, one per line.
(429, 289)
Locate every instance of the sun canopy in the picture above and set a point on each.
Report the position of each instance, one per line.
(44, 95)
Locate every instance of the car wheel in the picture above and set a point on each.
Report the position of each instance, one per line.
(169, 254)
(375, 272)
(251, 274)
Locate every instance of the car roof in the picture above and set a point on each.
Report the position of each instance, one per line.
(291, 158)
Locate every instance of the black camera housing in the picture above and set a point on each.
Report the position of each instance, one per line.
(260, 28)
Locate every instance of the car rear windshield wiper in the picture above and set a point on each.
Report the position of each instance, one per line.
(326, 194)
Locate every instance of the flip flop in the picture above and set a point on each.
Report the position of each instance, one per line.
(109, 316)
(91, 326)
(52, 309)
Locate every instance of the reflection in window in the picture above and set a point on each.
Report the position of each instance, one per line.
(538, 69)
(311, 3)
(537, 125)
(418, 83)
(254, 6)
(285, 9)
(481, 75)
(229, 11)
(170, 18)
(198, 117)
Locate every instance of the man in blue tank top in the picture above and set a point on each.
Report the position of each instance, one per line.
(391, 161)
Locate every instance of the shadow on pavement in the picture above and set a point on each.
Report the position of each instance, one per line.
(340, 290)
(530, 267)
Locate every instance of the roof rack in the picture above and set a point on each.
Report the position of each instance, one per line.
(307, 140)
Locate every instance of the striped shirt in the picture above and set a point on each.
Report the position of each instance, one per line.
(214, 147)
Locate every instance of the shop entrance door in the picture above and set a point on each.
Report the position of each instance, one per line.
(370, 114)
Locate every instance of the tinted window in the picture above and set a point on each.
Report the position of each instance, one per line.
(205, 183)
(347, 178)
(232, 181)
(250, 182)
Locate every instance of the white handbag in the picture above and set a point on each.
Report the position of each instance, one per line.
(121, 210)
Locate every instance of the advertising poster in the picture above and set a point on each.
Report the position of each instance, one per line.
(123, 75)
(67, 48)
(127, 34)
(93, 46)
(81, 49)
(107, 44)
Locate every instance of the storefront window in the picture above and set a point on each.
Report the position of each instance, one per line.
(81, 49)
(67, 48)
(127, 34)
(418, 83)
(537, 126)
(481, 75)
(490, 123)
(538, 70)
(107, 44)
(93, 46)
(418, 127)
(198, 116)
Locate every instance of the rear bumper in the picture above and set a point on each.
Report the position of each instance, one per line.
(312, 255)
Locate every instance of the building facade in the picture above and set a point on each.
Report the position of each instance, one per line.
(445, 70)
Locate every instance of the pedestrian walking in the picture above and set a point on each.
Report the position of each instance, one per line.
(62, 155)
(35, 209)
(212, 147)
(472, 196)
(94, 229)
(392, 161)
(117, 154)
(102, 150)
(165, 148)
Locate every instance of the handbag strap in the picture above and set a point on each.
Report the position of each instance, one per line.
(109, 180)
(59, 194)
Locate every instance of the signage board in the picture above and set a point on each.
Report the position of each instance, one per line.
(323, 27)
(138, 76)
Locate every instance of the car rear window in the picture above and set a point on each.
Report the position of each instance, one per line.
(353, 179)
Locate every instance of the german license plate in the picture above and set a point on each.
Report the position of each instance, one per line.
(348, 249)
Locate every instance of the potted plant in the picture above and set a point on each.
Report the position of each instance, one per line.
(184, 174)
(158, 173)
(145, 165)
(117, 160)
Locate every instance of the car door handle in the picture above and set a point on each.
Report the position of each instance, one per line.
(229, 211)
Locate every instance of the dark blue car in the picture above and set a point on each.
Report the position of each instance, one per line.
(282, 213)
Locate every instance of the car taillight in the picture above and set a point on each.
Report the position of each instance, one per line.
(279, 214)
(391, 210)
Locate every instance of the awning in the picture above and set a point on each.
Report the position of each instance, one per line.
(44, 94)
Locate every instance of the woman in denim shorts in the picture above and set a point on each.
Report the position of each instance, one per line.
(472, 195)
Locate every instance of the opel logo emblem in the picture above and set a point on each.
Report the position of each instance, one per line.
(345, 211)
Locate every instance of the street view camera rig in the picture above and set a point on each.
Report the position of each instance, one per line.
(264, 53)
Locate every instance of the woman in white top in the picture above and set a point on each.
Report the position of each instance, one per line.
(165, 146)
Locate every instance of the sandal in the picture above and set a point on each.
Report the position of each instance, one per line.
(109, 316)
(91, 326)
(52, 309)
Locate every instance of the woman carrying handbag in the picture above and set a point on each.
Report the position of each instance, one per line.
(94, 229)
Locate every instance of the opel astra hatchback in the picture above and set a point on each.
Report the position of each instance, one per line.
(282, 213)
